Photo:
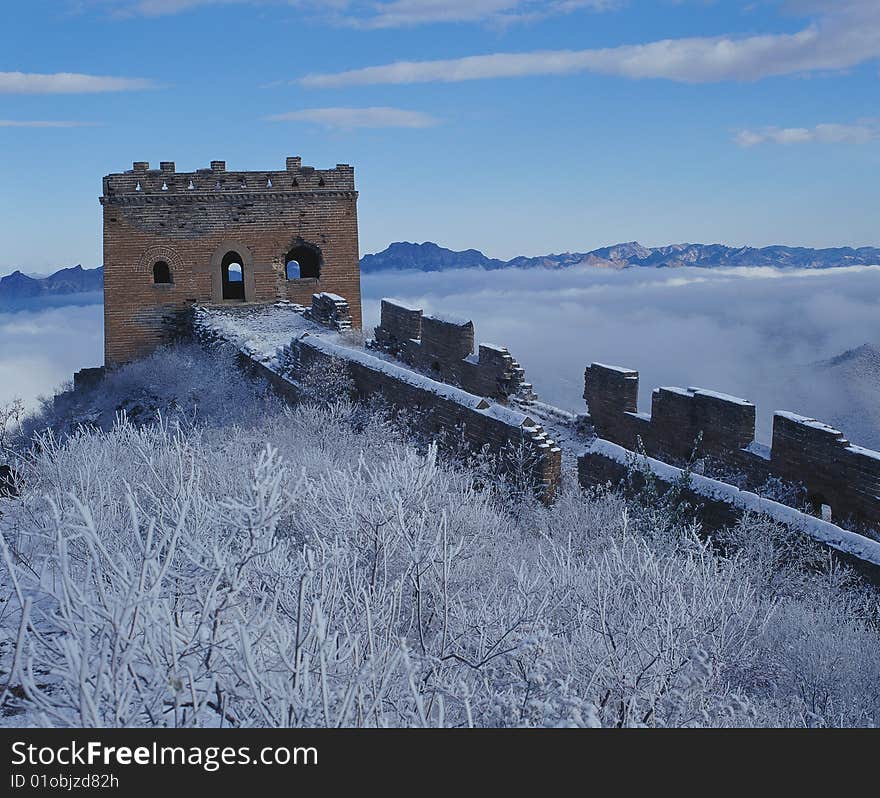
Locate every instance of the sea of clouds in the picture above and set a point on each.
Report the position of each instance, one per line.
(42, 347)
(747, 331)
(752, 332)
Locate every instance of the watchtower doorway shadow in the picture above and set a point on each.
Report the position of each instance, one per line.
(232, 271)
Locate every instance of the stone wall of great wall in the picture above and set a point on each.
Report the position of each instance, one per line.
(449, 414)
(426, 367)
(834, 472)
(444, 349)
(173, 239)
(716, 504)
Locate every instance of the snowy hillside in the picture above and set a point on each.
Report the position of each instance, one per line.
(844, 390)
(230, 561)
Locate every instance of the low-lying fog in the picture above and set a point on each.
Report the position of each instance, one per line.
(749, 332)
(753, 332)
(41, 348)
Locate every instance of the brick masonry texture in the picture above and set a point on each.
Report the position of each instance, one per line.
(330, 310)
(191, 220)
(452, 418)
(803, 450)
(170, 236)
(444, 349)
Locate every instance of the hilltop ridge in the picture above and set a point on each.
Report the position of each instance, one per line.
(71, 280)
(430, 257)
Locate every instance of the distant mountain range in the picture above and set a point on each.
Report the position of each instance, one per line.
(430, 257)
(17, 286)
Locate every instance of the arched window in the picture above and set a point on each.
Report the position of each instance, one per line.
(161, 272)
(304, 260)
(233, 276)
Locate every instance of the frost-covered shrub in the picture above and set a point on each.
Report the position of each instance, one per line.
(794, 494)
(12, 416)
(326, 381)
(183, 381)
(659, 507)
(312, 567)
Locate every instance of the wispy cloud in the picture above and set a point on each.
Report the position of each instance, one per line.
(68, 83)
(371, 15)
(820, 134)
(47, 123)
(843, 36)
(349, 118)
(162, 8)
(409, 13)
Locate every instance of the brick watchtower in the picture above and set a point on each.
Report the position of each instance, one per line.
(214, 236)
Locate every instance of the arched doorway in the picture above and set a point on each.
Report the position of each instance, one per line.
(232, 272)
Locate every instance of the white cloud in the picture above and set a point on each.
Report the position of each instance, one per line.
(68, 83)
(820, 134)
(161, 8)
(842, 37)
(368, 14)
(349, 118)
(40, 123)
(407, 13)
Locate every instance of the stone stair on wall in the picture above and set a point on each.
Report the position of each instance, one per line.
(517, 387)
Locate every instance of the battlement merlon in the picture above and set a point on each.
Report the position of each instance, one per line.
(803, 450)
(141, 181)
(444, 347)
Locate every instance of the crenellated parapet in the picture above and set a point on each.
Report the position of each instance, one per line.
(835, 473)
(458, 421)
(166, 183)
(444, 348)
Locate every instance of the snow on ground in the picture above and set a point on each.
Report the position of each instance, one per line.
(260, 330)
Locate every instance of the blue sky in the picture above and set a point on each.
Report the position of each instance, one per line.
(513, 126)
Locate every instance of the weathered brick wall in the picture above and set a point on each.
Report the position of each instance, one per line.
(612, 397)
(449, 414)
(836, 472)
(190, 220)
(330, 310)
(444, 349)
(803, 450)
(86, 379)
